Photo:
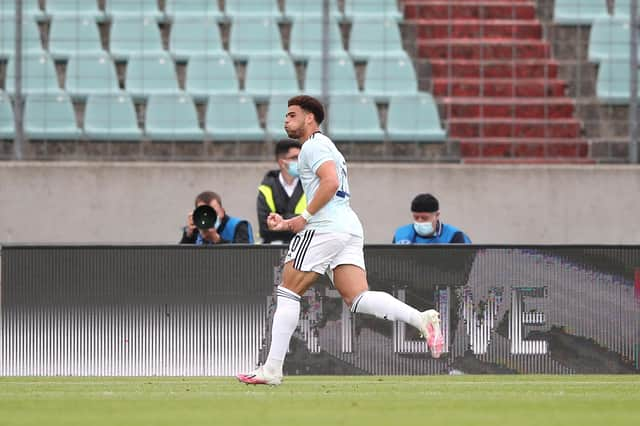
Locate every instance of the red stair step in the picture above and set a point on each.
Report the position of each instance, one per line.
(485, 48)
(524, 87)
(513, 128)
(536, 108)
(469, 10)
(523, 148)
(429, 29)
(464, 68)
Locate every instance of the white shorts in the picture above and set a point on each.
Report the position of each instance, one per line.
(323, 252)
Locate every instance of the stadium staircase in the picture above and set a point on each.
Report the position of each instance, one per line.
(496, 81)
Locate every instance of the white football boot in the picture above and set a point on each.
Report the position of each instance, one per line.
(432, 332)
(260, 376)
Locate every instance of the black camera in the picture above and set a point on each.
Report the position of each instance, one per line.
(204, 217)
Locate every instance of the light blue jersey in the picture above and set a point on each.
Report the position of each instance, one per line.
(336, 215)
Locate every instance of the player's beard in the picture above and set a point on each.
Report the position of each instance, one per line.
(293, 134)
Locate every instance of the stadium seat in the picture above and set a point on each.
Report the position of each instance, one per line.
(194, 36)
(73, 35)
(172, 117)
(390, 76)
(7, 127)
(354, 118)
(76, 8)
(372, 9)
(610, 38)
(253, 36)
(375, 37)
(91, 74)
(275, 117)
(111, 117)
(579, 12)
(209, 75)
(30, 37)
(414, 118)
(307, 35)
(613, 81)
(622, 8)
(38, 75)
(233, 118)
(132, 36)
(341, 79)
(270, 75)
(30, 8)
(133, 9)
(151, 75)
(252, 8)
(313, 9)
(50, 116)
(193, 9)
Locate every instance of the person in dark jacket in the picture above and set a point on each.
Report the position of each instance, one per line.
(427, 227)
(227, 229)
(281, 192)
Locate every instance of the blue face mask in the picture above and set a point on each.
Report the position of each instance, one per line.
(423, 229)
(292, 168)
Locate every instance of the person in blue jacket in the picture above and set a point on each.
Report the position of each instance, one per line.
(227, 229)
(427, 227)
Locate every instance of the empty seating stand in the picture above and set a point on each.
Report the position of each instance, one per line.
(270, 75)
(374, 37)
(172, 117)
(341, 80)
(7, 128)
(73, 35)
(151, 75)
(579, 12)
(387, 9)
(354, 118)
(194, 35)
(209, 75)
(252, 8)
(254, 36)
(30, 36)
(74, 8)
(134, 36)
(91, 74)
(38, 75)
(193, 9)
(50, 116)
(414, 118)
(133, 9)
(387, 76)
(233, 118)
(111, 117)
(310, 9)
(610, 38)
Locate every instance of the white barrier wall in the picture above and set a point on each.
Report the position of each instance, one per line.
(89, 202)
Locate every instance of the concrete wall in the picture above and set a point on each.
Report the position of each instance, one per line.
(80, 202)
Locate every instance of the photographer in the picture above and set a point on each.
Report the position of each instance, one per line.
(227, 229)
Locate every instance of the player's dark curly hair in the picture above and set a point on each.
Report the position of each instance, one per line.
(309, 104)
(425, 203)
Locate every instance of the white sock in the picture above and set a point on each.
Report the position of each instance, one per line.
(285, 320)
(385, 306)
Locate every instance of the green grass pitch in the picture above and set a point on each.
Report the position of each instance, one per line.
(329, 400)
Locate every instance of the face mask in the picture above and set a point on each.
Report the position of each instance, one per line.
(423, 228)
(292, 168)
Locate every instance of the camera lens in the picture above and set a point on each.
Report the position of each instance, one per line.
(204, 217)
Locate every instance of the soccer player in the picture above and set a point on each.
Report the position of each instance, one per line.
(329, 239)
